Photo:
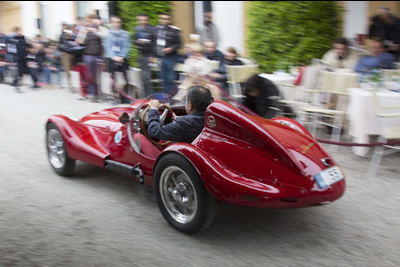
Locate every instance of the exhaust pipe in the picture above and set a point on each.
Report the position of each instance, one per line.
(133, 171)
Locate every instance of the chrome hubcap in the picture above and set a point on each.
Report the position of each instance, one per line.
(178, 194)
(55, 148)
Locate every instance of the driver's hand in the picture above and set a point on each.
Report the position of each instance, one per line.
(154, 104)
(174, 116)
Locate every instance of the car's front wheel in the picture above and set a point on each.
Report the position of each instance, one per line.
(181, 196)
(57, 154)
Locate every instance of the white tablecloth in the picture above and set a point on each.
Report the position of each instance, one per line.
(278, 79)
(363, 121)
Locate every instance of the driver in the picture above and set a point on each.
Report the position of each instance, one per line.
(184, 128)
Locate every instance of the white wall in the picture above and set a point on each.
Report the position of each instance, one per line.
(229, 18)
(102, 6)
(29, 18)
(59, 12)
(198, 15)
(356, 18)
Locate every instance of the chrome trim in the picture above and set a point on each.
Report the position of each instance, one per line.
(324, 161)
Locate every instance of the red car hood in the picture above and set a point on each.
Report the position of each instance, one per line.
(107, 119)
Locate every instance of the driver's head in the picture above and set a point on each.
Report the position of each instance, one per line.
(197, 99)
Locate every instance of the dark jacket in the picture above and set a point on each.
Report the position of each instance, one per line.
(38, 57)
(265, 104)
(234, 62)
(93, 45)
(385, 31)
(145, 33)
(218, 56)
(171, 35)
(183, 129)
(16, 48)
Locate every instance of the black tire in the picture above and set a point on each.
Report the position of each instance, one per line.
(178, 188)
(56, 152)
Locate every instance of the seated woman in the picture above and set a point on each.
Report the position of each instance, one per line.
(197, 67)
(231, 57)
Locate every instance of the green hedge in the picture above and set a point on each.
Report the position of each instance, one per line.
(284, 33)
(128, 10)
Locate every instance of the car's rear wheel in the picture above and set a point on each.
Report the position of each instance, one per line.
(181, 196)
(56, 152)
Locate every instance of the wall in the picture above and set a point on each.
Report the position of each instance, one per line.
(10, 15)
(29, 16)
(61, 11)
(182, 17)
(355, 18)
(393, 5)
(229, 17)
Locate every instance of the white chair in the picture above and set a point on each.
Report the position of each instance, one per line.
(296, 97)
(237, 75)
(390, 73)
(323, 112)
(214, 65)
(388, 133)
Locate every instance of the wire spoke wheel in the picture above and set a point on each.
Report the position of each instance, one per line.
(56, 150)
(181, 195)
(178, 194)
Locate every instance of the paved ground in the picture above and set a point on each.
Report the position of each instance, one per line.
(99, 218)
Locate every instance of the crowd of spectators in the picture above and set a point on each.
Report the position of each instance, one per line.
(88, 45)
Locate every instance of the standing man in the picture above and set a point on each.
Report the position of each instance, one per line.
(91, 54)
(209, 31)
(167, 44)
(144, 39)
(117, 46)
(16, 48)
(66, 56)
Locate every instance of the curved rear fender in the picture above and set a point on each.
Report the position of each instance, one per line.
(80, 142)
(292, 124)
(220, 182)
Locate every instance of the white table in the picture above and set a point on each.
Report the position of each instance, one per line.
(363, 121)
(278, 79)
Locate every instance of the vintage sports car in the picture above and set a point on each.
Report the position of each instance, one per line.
(238, 158)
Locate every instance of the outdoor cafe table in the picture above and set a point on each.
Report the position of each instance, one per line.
(363, 121)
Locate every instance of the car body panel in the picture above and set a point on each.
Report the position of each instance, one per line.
(242, 159)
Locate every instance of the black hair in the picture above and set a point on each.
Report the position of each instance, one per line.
(200, 97)
(342, 41)
(254, 83)
(115, 17)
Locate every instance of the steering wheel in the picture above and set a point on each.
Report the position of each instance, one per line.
(162, 119)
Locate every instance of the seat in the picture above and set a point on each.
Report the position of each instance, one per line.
(214, 65)
(388, 133)
(324, 112)
(295, 97)
(237, 75)
(390, 73)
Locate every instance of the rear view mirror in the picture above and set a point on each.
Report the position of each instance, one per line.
(124, 118)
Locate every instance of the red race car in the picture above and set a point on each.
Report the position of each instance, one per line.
(238, 158)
